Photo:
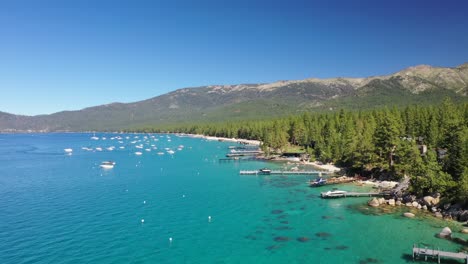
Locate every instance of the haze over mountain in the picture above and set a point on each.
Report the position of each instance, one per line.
(421, 84)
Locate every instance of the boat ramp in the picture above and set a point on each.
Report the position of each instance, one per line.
(436, 253)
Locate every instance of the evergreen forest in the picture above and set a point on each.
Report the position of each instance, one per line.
(429, 144)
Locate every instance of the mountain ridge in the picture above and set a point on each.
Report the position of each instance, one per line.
(417, 84)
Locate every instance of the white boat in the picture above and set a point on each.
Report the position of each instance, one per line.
(170, 152)
(94, 138)
(68, 150)
(98, 149)
(160, 153)
(138, 153)
(107, 164)
(335, 192)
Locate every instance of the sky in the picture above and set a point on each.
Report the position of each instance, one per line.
(68, 55)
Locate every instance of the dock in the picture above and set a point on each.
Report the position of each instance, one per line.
(238, 159)
(436, 253)
(334, 180)
(343, 194)
(279, 172)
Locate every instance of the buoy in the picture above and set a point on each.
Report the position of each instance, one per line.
(209, 218)
(170, 239)
(183, 196)
(142, 220)
(144, 202)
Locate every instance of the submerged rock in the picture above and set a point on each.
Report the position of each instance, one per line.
(302, 239)
(446, 232)
(408, 214)
(323, 234)
(281, 239)
(374, 202)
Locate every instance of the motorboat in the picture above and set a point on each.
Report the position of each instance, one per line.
(107, 164)
(264, 171)
(318, 182)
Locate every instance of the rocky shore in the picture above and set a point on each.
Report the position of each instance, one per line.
(427, 203)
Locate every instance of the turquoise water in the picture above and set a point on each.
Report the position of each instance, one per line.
(58, 208)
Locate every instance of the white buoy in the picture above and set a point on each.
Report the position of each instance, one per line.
(144, 202)
(170, 239)
(142, 220)
(183, 196)
(209, 218)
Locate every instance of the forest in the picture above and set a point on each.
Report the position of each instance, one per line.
(429, 144)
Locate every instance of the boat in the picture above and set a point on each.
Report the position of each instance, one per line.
(264, 171)
(318, 182)
(138, 153)
(107, 164)
(170, 152)
(68, 150)
(334, 193)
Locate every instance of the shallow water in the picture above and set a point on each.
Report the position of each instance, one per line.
(58, 208)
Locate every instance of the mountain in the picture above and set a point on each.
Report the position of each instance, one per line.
(421, 84)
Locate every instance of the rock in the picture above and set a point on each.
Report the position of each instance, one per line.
(415, 204)
(434, 209)
(424, 207)
(464, 231)
(391, 202)
(419, 206)
(409, 204)
(409, 198)
(398, 203)
(445, 233)
(463, 216)
(381, 201)
(373, 202)
(431, 201)
(438, 215)
(408, 214)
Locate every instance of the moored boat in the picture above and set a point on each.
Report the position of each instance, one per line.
(318, 182)
(107, 164)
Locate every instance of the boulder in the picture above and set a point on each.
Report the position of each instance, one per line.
(373, 202)
(431, 201)
(445, 233)
(391, 202)
(434, 209)
(464, 231)
(398, 203)
(409, 204)
(414, 204)
(381, 201)
(419, 206)
(463, 216)
(424, 207)
(438, 215)
(408, 214)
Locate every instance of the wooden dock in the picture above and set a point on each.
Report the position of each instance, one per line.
(331, 194)
(436, 253)
(278, 172)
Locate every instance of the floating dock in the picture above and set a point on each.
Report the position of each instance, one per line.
(331, 194)
(436, 253)
(278, 172)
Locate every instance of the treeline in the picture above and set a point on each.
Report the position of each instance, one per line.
(428, 144)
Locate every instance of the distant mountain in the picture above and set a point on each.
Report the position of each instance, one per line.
(420, 84)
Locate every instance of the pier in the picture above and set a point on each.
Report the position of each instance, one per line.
(278, 172)
(238, 159)
(433, 253)
(344, 194)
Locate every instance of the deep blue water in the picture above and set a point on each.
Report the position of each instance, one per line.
(58, 208)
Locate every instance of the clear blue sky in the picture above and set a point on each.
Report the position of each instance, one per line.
(67, 55)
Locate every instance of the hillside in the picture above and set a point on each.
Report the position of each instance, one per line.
(421, 84)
